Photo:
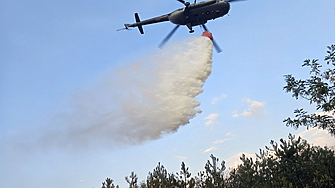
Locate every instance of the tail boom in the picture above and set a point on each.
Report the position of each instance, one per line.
(140, 23)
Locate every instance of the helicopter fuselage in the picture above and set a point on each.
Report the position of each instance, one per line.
(200, 13)
(192, 15)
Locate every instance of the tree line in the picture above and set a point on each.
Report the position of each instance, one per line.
(291, 163)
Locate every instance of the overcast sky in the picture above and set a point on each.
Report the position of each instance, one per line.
(56, 54)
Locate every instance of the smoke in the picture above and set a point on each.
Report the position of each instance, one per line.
(141, 101)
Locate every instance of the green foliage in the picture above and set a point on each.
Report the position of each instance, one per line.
(108, 183)
(319, 89)
(184, 176)
(291, 163)
(160, 178)
(213, 174)
(294, 163)
(132, 180)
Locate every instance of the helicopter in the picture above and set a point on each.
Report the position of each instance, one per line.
(196, 14)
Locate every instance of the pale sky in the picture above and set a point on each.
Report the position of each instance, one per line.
(53, 54)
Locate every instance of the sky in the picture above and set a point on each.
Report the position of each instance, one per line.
(55, 55)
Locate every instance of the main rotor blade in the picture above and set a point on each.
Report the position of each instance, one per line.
(215, 45)
(168, 37)
(233, 0)
(205, 28)
(184, 2)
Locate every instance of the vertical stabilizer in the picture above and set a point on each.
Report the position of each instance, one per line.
(137, 18)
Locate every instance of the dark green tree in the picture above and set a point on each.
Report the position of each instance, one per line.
(108, 183)
(247, 173)
(213, 176)
(143, 185)
(160, 178)
(319, 89)
(132, 180)
(293, 163)
(184, 176)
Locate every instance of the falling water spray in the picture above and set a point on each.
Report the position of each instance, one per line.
(141, 101)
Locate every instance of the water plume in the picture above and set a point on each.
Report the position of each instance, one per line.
(141, 101)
